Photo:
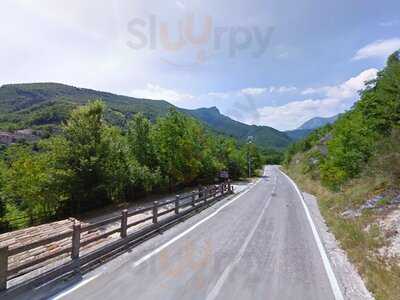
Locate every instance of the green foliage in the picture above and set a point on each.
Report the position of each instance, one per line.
(140, 140)
(92, 163)
(45, 106)
(30, 181)
(345, 148)
(264, 136)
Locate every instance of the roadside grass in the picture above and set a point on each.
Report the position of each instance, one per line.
(361, 236)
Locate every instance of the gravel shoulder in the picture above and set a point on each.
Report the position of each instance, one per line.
(352, 285)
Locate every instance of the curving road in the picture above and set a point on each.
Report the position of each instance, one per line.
(259, 245)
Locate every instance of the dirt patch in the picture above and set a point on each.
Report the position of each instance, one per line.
(390, 226)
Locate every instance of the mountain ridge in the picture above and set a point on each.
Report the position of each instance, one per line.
(318, 122)
(46, 105)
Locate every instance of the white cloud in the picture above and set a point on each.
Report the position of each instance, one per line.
(352, 86)
(293, 114)
(310, 91)
(389, 23)
(253, 91)
(347, 89)
(334, 100)
(380, 48)
(271, 89)
(220, 95)
(282, 89)
(156, 92)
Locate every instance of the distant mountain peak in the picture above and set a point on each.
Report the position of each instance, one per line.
(212, 109)
(318, 122)
(215, 109)
(49, 104)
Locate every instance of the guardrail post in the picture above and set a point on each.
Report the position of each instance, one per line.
(177, 198)
(76, 240)
(3, 268)
(155, 212)
(124, 223)
(76, 244)
(193, 199)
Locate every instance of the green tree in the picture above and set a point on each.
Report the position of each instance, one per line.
(139, 137)
(89, 148)
(178, 142)
(31, 184)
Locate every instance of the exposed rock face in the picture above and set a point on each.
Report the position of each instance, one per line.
(391, 198)
(390, 225)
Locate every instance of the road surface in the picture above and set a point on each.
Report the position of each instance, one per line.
(258, 245)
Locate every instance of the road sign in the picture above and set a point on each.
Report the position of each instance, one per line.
(224, 174)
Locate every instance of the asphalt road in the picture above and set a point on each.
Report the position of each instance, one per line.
(258, 245)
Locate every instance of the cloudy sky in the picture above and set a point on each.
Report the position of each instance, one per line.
(266, 62)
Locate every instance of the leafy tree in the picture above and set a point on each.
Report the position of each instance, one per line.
(87, 155)
(31, 183)
(178, 148)
(139, 137)
(91, 163)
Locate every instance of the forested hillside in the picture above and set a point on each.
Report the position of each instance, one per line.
(353, 166)
(48, 104)
(263, 135)
(43, 106)
(91, 163)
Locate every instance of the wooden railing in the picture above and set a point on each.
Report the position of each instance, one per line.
(179, 207)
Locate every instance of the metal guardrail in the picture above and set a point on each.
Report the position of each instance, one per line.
(182, 206)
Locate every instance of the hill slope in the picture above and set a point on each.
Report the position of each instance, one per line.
(353, 166)
(298, 134)
(45, 105)
(263, 135)
(318, 122)
(23, 105)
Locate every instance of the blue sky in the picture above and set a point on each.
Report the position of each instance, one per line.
(276, 63)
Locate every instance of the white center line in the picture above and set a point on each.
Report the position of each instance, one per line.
(162, 247)
(217, 288)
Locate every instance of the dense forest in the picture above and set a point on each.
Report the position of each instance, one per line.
(353, 167)
(91, 163)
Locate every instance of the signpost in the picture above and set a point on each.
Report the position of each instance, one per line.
(224, 174)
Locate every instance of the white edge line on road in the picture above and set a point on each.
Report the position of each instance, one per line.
(328, 268)
(179, 236)
(162, 247)
(221, 281)
(75, 287)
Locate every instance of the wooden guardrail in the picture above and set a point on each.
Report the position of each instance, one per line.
(181, 206)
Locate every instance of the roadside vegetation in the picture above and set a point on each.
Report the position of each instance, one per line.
(351, 162)
(91, 163)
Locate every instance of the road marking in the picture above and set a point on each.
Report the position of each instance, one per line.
(162, 247)
(75, 287)
(220, 283)
(179, 236)
(328, 268)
